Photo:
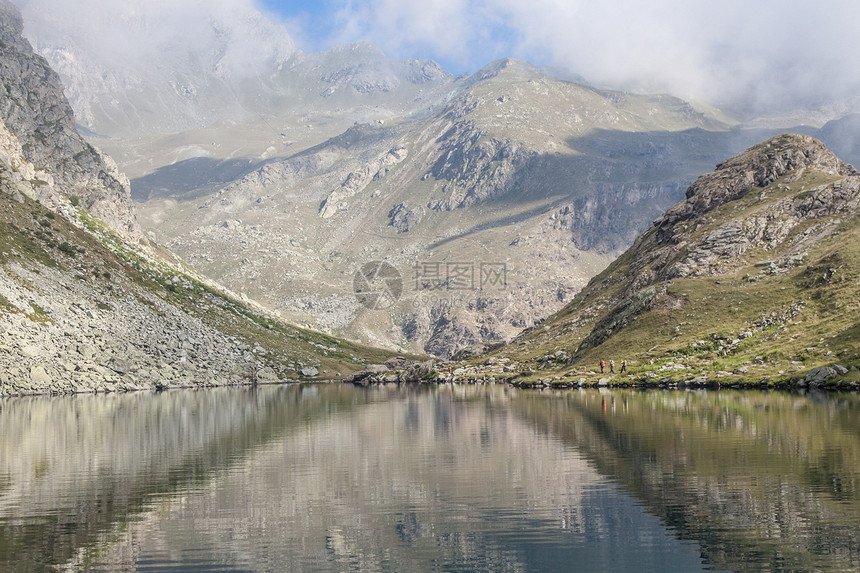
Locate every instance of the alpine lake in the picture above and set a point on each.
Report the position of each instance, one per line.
(332, 477)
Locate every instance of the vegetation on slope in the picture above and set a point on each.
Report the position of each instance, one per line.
(760, 285)
(83, 281)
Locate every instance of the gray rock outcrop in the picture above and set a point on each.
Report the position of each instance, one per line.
(671, 249)
(403, 218)
(357, 181)
(820, 375)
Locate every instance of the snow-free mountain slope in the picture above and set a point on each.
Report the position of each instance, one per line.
(754, 275)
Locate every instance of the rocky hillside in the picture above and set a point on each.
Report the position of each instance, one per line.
(542, 179)
(34, 108)
(754, 276)
(83, 310)
(84, 304)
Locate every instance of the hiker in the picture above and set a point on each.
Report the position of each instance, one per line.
(602, 365)
(623, 366)
(612, 367)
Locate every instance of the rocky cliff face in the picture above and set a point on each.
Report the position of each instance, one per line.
(20, 177)
(33, 107)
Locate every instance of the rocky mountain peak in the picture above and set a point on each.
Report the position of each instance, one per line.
(795, 179)
(757, 167)
(504, 66)
(34, 108)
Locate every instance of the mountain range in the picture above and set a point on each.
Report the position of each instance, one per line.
(385, 201)
(283, 178)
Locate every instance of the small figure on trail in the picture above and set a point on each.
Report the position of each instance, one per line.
(602, 365)
(623, 366)
(612, 367)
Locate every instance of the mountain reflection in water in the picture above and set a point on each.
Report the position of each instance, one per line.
(449, 478)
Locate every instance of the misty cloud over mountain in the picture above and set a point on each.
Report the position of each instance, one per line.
(768, 54)
(229, 37)
(773, 55)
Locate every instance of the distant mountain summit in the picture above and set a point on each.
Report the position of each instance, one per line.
(151, 66)
(145, 69)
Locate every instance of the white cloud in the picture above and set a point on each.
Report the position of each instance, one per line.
(772, 52)
(232, 36)
(764, 53)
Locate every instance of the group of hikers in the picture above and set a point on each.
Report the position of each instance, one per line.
(612, 366)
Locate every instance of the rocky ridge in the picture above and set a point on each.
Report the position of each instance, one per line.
(33, 106)
(668, 252)
(752, 277)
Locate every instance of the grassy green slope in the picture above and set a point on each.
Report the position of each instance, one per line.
(781, 307)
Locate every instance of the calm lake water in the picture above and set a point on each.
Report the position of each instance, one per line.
(448, 478)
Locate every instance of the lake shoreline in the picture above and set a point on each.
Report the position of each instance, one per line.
(692, 385)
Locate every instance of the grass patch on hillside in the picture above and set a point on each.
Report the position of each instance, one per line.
(39, 314)
(6, 305)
